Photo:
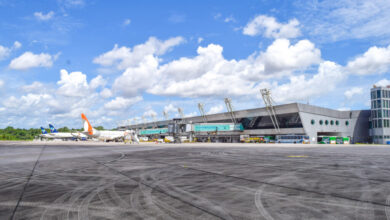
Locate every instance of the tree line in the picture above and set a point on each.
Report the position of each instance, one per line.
(15, 134)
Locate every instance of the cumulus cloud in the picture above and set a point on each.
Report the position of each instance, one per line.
(300, 88)
(136, 79)
(270, 28)
(150, 113)
(120, 103)
(124, 57)
(34, 87)
(281, 55)
(28, 103)
(383, 83)
(5, 51)
(106, 93)
(353, 91)
(215, 109)
(44, 17)
(97, 82)
(375, 60)
(30, 60)
(170, 108)
(17, 45)
(73, 84)
(210, 73)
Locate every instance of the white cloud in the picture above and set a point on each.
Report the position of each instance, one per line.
(215, 109)
(269, 27)
(126, 22)
(345, 19)
(229, 19)
(353, 92)
(210, 73)
(73, 84)
(344, 109)
(28, 103)
(1, 83)
(44, 17)
(150, 113)
(120, 103)
(72, 3)
(280, 55)
(17, 45)
(200, 39)
(5, 51)
(97, 82)
(383, 83)
(106, 93)
(136, 79)
(299, 88)
(375, 60)
(30, 60)
(124, 57)
(35, 87)
(170, 108)
(191, 114)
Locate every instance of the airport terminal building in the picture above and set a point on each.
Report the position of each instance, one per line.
(293, 119)
(303, 120)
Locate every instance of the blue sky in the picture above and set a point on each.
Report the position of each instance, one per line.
(128, 61)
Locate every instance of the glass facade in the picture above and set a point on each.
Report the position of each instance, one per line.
(264, 122)
(380, 114)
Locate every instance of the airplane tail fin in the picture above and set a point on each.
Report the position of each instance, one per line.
(43, 130)
(52, 129)
(87, 126)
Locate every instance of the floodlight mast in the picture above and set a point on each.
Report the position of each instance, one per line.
(268, 101)
(201, 110)
(229, 107)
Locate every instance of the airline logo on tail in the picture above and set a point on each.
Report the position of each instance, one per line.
(43, 130)
(52, 129)
(87, 125)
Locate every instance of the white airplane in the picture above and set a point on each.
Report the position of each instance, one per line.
(54, 134)
(45, 134)
(106, 135)
(65, 135)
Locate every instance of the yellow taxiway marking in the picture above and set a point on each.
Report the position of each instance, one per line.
(297, 156)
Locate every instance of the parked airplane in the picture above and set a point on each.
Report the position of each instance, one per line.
(55, 133)
(106, 135)
(64, 135)
(44, 133)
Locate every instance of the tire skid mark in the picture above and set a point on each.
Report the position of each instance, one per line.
(27, 182)
(172, 211)
(163, 192)
(387, 209)
(276, 185)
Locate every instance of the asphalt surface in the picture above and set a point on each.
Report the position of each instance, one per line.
(189, 181)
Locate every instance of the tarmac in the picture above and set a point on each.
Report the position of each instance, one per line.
(74, 180)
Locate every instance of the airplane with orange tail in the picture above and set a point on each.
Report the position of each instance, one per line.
(106, 135)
